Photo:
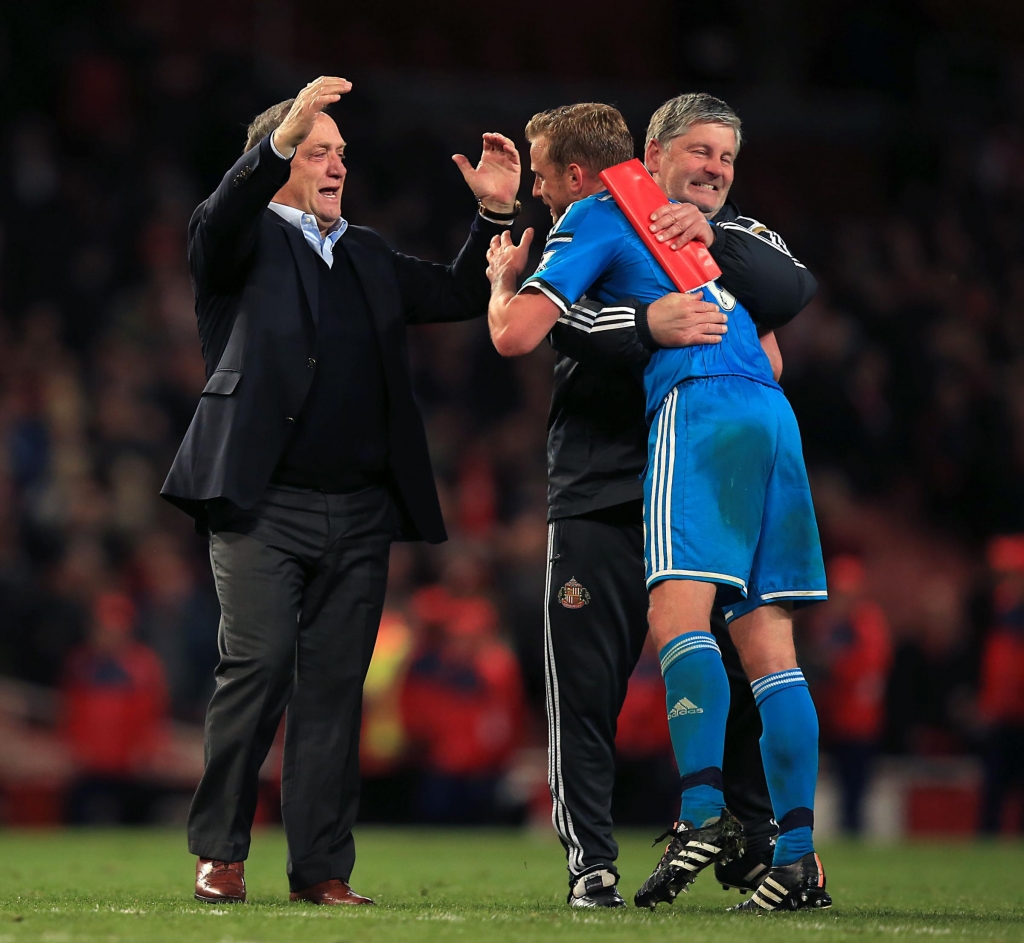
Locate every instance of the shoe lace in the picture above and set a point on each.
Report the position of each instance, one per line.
(672, 832)
(668, 833)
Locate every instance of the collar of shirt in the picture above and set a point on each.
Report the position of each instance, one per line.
(323, 246)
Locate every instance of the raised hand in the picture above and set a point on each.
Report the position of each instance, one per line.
(684, 221)
(495, 180)
(309, 103)
(506, 261)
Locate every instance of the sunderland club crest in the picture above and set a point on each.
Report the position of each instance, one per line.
(573, 595)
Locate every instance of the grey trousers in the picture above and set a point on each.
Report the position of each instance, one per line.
(301, 581)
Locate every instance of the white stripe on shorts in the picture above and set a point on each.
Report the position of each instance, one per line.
(698, 574)
(662, 471)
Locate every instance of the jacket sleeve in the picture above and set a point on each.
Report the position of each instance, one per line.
(760, 271)
(432, 292)
(604, 337)
(222, 232)
(756, 267)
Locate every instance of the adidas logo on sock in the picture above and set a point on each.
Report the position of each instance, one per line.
(683, 707)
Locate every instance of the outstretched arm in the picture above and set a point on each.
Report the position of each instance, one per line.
(457, 292)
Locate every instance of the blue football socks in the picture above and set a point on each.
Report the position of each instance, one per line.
(697, 698)
(789, 749)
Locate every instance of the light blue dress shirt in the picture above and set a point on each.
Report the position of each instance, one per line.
(323, 246)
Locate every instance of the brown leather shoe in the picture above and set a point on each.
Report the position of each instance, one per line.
(220, 882)
(332, 892)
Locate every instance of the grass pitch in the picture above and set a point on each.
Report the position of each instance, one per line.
(113, 886)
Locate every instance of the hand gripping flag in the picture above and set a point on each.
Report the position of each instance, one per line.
(637, 195)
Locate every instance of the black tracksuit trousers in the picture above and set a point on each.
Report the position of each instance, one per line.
(593, 637)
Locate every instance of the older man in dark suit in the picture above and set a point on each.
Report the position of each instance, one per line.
(305, 459)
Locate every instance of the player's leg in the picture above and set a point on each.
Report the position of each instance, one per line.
(697, 701)
(787, 571)
(703, 505)
(789, 742)
(595, 626)
(789, 748)
(696, 691)
(746, 791)
(710, 453)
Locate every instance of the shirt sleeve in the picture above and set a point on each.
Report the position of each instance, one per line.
(577, 252)
(758, 268)
(603, 337)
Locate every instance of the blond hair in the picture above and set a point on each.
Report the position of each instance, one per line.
(590, 134)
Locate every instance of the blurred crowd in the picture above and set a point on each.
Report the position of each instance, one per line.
(906, 372)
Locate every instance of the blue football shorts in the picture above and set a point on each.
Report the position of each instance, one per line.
(726, 498)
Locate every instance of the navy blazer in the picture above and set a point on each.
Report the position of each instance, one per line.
(255, 285)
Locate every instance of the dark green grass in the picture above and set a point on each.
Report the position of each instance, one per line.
(112, 886)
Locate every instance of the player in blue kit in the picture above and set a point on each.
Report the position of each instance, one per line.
(727, 510)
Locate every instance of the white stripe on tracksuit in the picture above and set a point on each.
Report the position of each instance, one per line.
(560, 817)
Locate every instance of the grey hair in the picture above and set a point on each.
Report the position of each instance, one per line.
(681, 113)
(266, 123)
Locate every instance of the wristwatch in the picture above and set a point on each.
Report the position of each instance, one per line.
(493, 216)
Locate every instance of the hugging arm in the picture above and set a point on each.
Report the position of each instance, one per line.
(760, 271)
(757, 268)
(621, 335)
(457, 292)
(603, 337)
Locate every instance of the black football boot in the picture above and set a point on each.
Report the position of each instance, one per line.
(746, 872)
(796, 886)
(689, 851)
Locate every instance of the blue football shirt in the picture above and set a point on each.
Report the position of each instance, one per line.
(594, 252)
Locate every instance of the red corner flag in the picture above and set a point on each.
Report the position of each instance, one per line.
(637, 195)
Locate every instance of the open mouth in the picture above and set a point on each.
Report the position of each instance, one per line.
(330, 193)
(710, 187)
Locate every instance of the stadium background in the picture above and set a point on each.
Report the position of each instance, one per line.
(883, 141)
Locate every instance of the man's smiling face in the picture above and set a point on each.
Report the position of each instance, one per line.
(696, 167)
(317, 174)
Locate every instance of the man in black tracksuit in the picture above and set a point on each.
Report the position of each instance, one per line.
(596, 614)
